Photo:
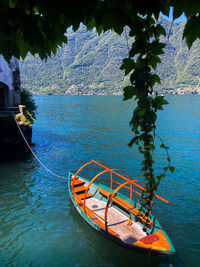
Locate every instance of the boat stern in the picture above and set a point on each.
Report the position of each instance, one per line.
(156, 243)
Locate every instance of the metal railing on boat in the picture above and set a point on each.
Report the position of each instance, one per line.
(120, 185)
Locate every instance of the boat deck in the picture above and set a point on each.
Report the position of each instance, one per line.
(117, 221)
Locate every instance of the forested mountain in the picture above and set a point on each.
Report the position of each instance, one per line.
(90, 63)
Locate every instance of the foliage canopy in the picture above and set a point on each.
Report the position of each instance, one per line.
(39, 26)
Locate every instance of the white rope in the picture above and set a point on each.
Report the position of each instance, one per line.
(62, 177)
(170, 264)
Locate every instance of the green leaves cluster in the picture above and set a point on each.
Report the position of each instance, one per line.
(143, 58)
(40, 26)
(192, 13)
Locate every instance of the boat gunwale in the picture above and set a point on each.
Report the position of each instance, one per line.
(107, 234)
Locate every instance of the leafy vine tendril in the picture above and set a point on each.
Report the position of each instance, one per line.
(140, 65)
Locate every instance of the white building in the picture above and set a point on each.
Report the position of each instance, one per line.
(9, 84)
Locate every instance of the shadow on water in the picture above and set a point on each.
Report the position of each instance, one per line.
(9, 155)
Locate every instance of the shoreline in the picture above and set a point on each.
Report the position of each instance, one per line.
(35, 94)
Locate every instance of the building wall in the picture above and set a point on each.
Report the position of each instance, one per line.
(9, 82)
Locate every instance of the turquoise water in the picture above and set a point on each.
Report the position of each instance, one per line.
(40, 227)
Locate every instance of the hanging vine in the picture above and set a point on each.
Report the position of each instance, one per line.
(143, 59)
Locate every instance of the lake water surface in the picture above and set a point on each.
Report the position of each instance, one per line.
(40, 227)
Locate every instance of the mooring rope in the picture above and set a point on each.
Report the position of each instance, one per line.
(167, 258)
(62, 177)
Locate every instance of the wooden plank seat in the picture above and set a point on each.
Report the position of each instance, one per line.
(94, 218)
(90, 213)
(79, 189)
(77, 182)
(79, 198)
(77, 178)
(88, 195)
(122, 203)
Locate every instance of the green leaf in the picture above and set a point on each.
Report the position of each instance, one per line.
(156, 48)
(111, 20)
(171, 168)
(23, 47)
(138, 47)
(189, 8)
(129, 92)
(127, 65)
(155, 79)
(159, 30)
(163, 146)
(154, 60)
(165, 8)
(12, 3)
(76, 26)
(192, 30)
(177, 11)
(158, 102)
(134, 140)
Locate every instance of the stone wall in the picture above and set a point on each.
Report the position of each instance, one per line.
(10, 82)
(11, 139)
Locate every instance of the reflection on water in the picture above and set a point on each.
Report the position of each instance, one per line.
(40, 227)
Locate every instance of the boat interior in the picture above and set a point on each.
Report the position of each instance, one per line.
(119, 214)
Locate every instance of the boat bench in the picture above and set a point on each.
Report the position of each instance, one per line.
(94, 218)
(128, 207)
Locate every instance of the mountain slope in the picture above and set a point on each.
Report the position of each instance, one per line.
(90, 64)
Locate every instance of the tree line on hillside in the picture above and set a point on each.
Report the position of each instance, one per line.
(90, 64)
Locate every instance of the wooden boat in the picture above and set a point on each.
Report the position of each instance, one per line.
(116, 216)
